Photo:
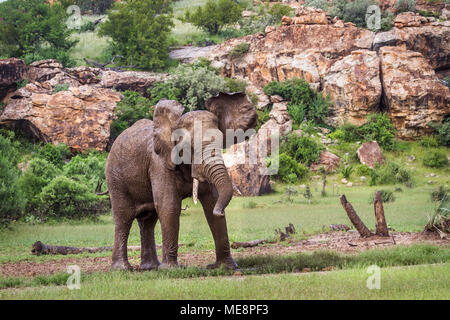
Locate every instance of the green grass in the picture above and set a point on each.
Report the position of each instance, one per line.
(417, 282)
(408, 213)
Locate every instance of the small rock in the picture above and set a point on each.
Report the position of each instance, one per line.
(315, 177)
(306, 270)
(344, 181)
(362, 178)
(411, 158)
(238, 273)
(432, 174)
(269, 29)
(349, 184)
(276, 98)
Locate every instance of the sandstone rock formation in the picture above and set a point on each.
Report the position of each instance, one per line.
(12, 71)
(70, 105)
(354, 85)
(79, 117)
(414, 95)
(370, 154)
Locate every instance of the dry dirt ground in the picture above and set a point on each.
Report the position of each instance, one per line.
(343, 242)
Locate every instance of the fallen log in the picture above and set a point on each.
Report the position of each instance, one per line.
(39, 248)
(381, 226)
(354, 218)
(247, 244)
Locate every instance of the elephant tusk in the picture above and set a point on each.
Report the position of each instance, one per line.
(195, 191)
(237, 190)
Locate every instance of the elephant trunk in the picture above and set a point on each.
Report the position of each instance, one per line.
(217, 174)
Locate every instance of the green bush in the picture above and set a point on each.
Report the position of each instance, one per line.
(279, 10)
(33, 29)
(435, 159)
(405, 6)
(88, 169)
(386, 196)
(239, 50)
(304, 102)
(442, 132)
(439, 194)
(346, 171)
(235, 85)
(132, 108)
(290, 171)
(353, 11)
(429, 142)
(140, 32)
(60, 87)
(66, 198)
(38, 174)
(11, 198)
(390, 173)
(193, 85)
(214, 15)
(301, 148)
(379, 128)
(362, 170)
(55, 154)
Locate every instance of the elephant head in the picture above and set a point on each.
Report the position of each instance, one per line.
(226, 111)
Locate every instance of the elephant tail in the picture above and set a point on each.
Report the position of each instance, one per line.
(99, 187)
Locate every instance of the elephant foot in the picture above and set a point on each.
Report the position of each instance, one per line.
(121, 265)
(166, 265)
(228, 263)
(149, 266)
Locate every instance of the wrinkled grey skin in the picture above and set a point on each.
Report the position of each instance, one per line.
(145, 184)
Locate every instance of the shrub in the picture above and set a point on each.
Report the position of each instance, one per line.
(214, 15)
(435, 159)
(38, 174)
(347, 171)
(11, 198)
(55, 154)
(61, 55)
(379, 128)
(195, 85)
(66, 198)
(88, 26)
(88, 169)
(390, 173)
(440, 193)
(132, 108)
(33, 29)
(304, 102)
(429, 142)
(239, 50)
(140, 32)
(405, 6)
(235, 85)
(279, 10)
(290, 171)
(442, 132)
(440, 219)
(60, 87)
(301, 148)
(362, 170)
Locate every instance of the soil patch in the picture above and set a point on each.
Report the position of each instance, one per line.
(343, 242)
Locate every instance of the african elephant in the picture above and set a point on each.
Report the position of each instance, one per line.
(146, 184)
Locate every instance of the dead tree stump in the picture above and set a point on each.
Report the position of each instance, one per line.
(354, 218)
(381, 226)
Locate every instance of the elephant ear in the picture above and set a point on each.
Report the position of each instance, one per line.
(165, 118)
(234, 111)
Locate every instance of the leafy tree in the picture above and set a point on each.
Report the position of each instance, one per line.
(140, 31)
(214, 15)
(279, 10)
(34, 29)
(301, 148)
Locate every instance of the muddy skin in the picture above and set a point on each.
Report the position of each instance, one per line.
(145, 184)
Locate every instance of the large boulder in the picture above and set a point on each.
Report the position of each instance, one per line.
(328, 160)
(432, 40)
(12, 71)
(130, 80)
(413, 94)
(79, 117)
(370, 154)
(354, 85)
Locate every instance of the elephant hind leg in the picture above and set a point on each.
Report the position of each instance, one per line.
(124, 212)
(149, 258)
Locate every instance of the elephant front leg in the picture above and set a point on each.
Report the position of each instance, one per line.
(218, 226)
(149, 258)
(169, 218)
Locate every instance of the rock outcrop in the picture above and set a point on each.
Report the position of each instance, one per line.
(354, 85)
(370, 154)
(70, 105)
(414, 95)
(328, 160)
(79, 117)
(12, 71)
